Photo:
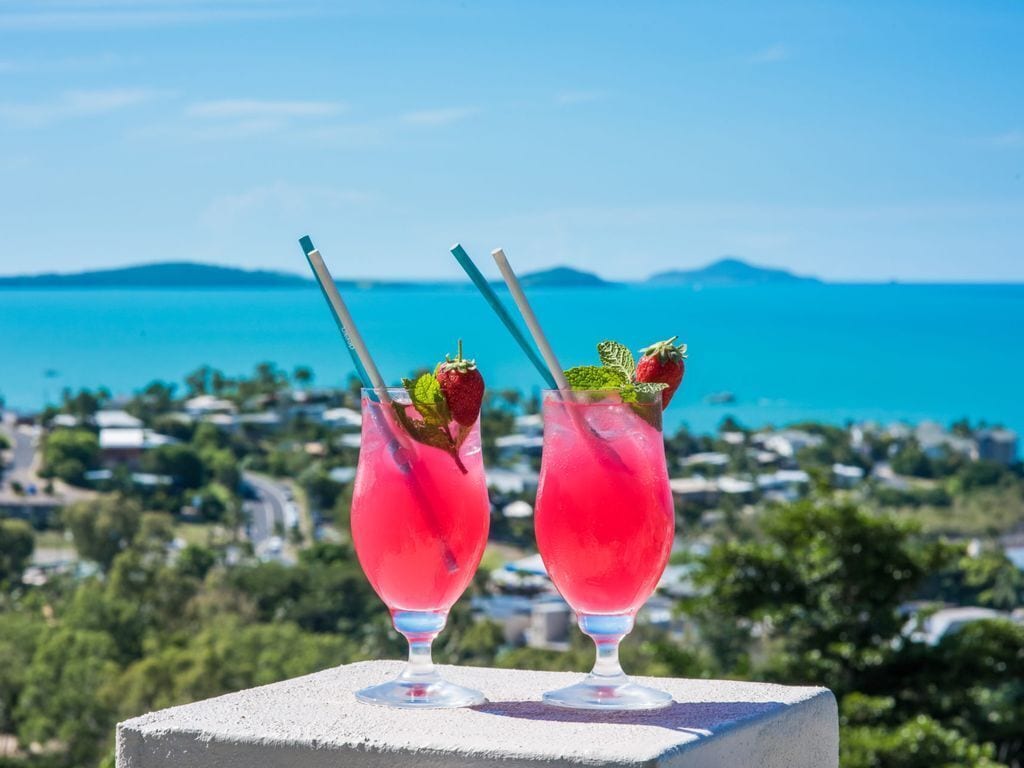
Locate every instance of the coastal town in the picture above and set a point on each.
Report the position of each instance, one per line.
(262, 468)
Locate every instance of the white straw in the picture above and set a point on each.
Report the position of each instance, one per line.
(352, 335)
(531, 319)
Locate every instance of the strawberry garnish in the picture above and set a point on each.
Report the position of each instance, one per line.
(462, 386)
(663, 363)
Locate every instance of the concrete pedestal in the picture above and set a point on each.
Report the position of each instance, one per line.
(316, 722)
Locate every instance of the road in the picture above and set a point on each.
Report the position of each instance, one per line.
(23, 452)
(267, 509)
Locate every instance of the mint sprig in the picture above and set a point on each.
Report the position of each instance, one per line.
(433, 428)
(617, 372)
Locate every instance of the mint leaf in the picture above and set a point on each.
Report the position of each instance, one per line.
(585, 377)
(649, 387)
(433, 427)
(617, 356)
(428, 400)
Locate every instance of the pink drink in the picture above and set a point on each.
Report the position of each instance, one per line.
(605, 519)
(420, 531)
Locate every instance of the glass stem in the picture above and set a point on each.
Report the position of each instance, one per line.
(420, 662)
(607, 662)
(419, 628)
(606, 632)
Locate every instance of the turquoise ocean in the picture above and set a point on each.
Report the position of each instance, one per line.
(787, 353)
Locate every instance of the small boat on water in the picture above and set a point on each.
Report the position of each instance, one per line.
(720, 398)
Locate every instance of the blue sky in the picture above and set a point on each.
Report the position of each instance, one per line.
(856, 141)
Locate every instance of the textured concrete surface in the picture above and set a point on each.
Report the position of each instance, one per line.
(315, 722)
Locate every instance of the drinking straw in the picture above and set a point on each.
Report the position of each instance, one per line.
(554, 368)
(370, 376)
(492, 298)
(365, 367)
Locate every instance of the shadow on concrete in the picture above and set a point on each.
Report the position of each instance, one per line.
(699, 718)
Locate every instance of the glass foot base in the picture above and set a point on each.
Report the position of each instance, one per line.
(608, 693)
(429, 693)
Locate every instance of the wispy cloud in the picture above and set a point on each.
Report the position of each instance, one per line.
(262, 109)
(771, 54)
(226, 119)
(72, 104)
(1008, 140)
(278, 199)
(579, 97)
(443, 116)
(104, 14)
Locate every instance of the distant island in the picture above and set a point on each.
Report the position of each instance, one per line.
(172, 274)
(563, 277)
(182, 274)
(729, 271)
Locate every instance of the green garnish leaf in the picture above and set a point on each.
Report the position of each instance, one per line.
(433, 427)
(428, 400)
(649, 387)
(588, 377)
(617, 356)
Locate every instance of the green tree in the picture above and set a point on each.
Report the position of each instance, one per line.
(226, 656)
(822, 581)
(16, 545)
(66, 694)
(103, 527)
(919, 743)
(85, 402)
(69, 453)
(178, 460)
(19, 635)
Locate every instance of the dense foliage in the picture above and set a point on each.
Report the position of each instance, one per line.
(811, 591)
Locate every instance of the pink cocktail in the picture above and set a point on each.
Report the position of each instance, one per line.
(605, 524)
(420, 516)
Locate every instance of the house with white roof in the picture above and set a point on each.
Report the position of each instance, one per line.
(127, 445)
(115, 420)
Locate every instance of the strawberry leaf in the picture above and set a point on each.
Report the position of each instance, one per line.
(617, 356)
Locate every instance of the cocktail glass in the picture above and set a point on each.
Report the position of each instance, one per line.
(605, 524)
(420, 516)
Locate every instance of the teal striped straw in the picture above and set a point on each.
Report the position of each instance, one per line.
(492, 298)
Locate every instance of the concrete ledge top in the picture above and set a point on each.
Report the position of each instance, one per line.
(316, 722)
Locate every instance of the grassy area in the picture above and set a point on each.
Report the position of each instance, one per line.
(496, 555)
(200, 534)
(987, 512)
(52, 540)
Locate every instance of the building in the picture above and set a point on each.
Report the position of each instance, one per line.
(788, 442)
(931, 628)
(998, 445)
(115, 420)
(517, 510)
(519, 445)
(342, 417)
(696, 489)
(550, 623)
(847, 475)
(203, 405)
(126, 446)
(935, 440)
(706, 459)
(511, 481)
